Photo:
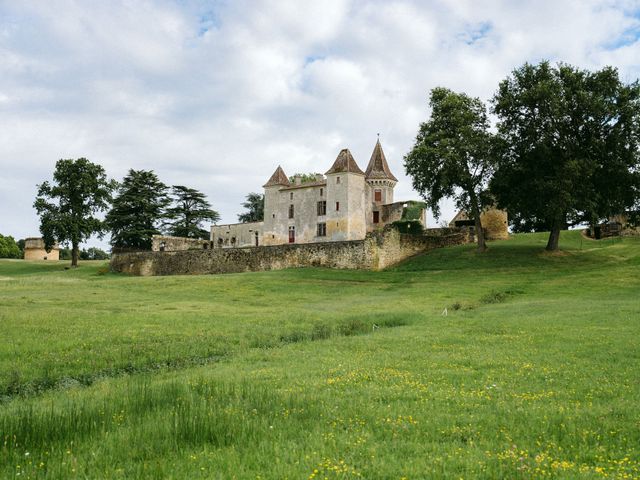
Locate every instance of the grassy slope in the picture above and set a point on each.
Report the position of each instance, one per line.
(534, 372)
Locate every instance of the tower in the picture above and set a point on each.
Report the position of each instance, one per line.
(345, 199)
(274, 219)
(380, 185)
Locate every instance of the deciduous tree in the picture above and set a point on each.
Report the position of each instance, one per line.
(9, 248)
(255, 208)
(570, 142)
(68, 206)
(452, 155)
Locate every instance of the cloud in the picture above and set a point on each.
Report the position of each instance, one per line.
(215, 95)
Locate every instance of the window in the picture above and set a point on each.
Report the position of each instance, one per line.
(162, 246)
(377, 195)
(233, 240)
(322, 230)
(290, 211)
(292, 234)
(337, 206)
(322, 208)
(321, 191)
(337, 179)
(376, 217)
(256, 239)
(291, 196)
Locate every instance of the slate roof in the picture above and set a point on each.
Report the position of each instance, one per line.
(345, 163)
(278, 178)
(378, 167)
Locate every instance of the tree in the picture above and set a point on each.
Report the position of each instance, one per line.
(137, 210)
(452, 155)
(9, 248)
(190, 208)
(569, 145)
(67, 208)
(93, 253)
(255, 208)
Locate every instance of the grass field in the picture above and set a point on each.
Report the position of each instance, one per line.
(313, 373)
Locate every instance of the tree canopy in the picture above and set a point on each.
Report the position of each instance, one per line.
(569, 145)
(68, 206)
(254, 206)
(452, 155)
(189, 209)
(137, 210)
(9, 248)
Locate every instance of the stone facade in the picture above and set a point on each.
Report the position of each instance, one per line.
(34, 250)
(494, 221)
(344, 204)
(162, 243)
(376, 251)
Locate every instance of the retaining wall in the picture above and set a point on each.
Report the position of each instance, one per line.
(377, 251)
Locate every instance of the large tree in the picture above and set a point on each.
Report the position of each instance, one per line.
(189, 209)
(255, 208)
(570, 142)
(452, 155)
(137, 210)
(68, 206)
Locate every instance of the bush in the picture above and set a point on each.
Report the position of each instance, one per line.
(408, 226)
(9, 248)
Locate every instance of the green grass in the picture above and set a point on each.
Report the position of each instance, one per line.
(533, 373)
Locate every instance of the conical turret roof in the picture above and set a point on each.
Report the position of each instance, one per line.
(345, 163)
(378, 167)
(278, 178)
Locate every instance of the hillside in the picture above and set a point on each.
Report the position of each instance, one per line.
(317, 373)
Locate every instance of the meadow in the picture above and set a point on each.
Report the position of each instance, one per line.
(533, 371)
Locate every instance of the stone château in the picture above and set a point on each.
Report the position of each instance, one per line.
(343, 204)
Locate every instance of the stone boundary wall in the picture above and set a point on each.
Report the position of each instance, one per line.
(377, 251)
(158, 242)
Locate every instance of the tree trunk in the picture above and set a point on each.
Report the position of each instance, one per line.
(475, 210)
(74, 255)
(554, 236)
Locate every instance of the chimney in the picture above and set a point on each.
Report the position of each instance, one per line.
(297, 179)
(319, 177)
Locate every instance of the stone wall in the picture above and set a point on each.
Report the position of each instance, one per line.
(172, 244)
(377, 251)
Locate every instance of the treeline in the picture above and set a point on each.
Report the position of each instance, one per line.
(10, 248)
(136, 208)
(564, 149)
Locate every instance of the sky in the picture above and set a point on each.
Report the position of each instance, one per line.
(216, 94)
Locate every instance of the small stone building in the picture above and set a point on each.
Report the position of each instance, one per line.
(494, 222)
(343, 204)
(34, 249)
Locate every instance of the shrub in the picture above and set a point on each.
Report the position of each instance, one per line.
(408, 226)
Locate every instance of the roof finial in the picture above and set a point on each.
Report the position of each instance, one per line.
(378, 136)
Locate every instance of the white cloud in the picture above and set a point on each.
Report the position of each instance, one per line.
(215, 96)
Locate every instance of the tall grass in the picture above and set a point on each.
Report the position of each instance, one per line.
(296, 374)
